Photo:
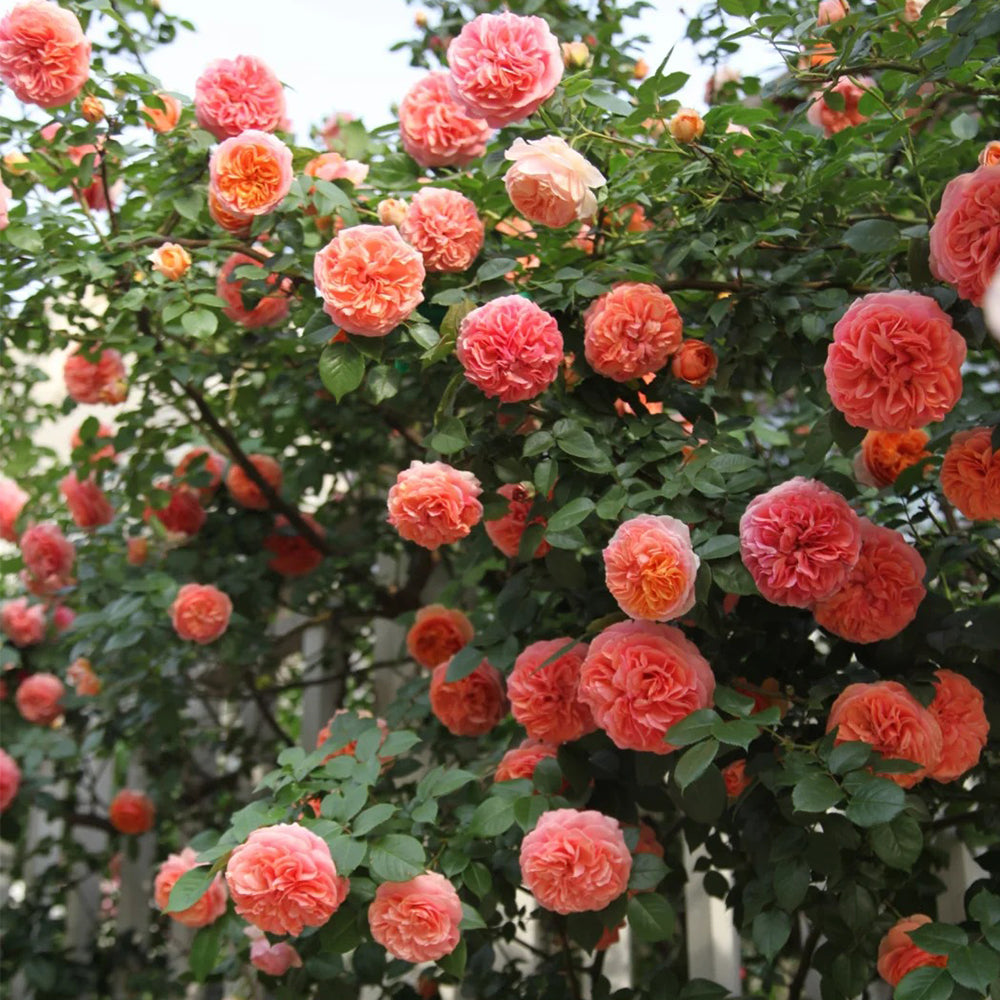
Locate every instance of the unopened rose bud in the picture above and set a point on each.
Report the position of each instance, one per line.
(575, 55)
(92, 109)
(420, 19)
(392, 211)
(830, 11)
(687, 126)
(14, 163)
(641, 69)
(990, 155)
(694, 363)
(591, 40)
(171, 260)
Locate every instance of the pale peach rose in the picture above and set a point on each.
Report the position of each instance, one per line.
(24, 625)
(5, 195)
(62, 617)
(695, 363)
(471, 706)
(81, 675)
(970, 474)
(544, 696)
(349, 749)
(898, 955)
(687, 126)
(445, 227)
(131, 812)
(989, 156)
(237, 95)
(521, 761)
(370, 279)
(163, 119)
(274, 959)
(639, 678)
(888, 718)
(283, 879)
(433, 504)
(183, 515)
(959, 709)
(15, 163)
(137, 551)
(291, 553)
(575, 55)
(171, 260)
(505, 532)
(251, 173)
(200, 612)
(48, 556)
(392, 211)
(197, 464)
(550, 183)
(510, 348)
(631, 331)
(885, 454)
(437, 634)
(38, 698)
(95, 381)
(504, 67)
(10, 779)
(799, 540)
(333, 167)
(44, 54)
(650, 567)
(831, 11)
(244, 490)
(895, 362)
(833, 120)
(434, 127)
(416, 920)
(12, 501)
(575, 861)
(206, 910)
(103, 431)
(233, 222)
(517, 227)
(735, 777)
(87, 503)
(266, 310)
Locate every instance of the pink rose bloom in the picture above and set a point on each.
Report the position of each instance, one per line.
(251, 173)
(200, 612)
(505, 532)
(330, 129)
(510, 348)
(282, 879)
(370, 279)
(895, 362)
(832, 120)
(63, 617)
(101, 381)
(504, 67)
(445, 227)
(12, 501)
(333, 167)
(5, 195)
(471, 706)
(38, 697)
(267, 311)
(882, 592)
(898, 955)
(10, 779)
(521, 761)
(965, 237)
(48, 556)
(650, 567)
(274, 959)
(234, 95)
(183, 515)
(434, 504)
(416, 920)
(207, 910)
(631, 331)
(44, 55)
(434, 127)
(640, 678)
(545, 699)
(958, 708)
(437, 634)
(888, 718)
(575, 861)
(970, 474)
(800, 541)
(87, 503)
(23, 625)
(550, 183)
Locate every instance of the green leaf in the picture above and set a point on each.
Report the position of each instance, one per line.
(791, 883)
(651, 917)
(974, 966)
(372, 817)
(648, 871)
(383, 382)
(876, 801)
(204, 954)
(463, 663)
(965, 126)
(694, 762)
(872, 236)
(189, 888)
(925, 983)
(816, 793)
(471, 920)
(347, 854)
(898, 843)
(718, 547)
(571, 514)
(495, 268)
(341, 369)
(849, 757)
(607, 102)
(736, 732)
(454, 962)
(340, 933)
(200, 322)
(397, 857)
(478, 879)
(449, 436)
(693, 728)
(492, 817)
(939, 939)
(770, 931)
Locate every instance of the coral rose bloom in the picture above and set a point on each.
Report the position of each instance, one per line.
(267, 311)
(735, 778)
(505, 532)
(695, 363)
(895, 362)
(434, 127)
(38, 698)
(131, 812)
(640, 678)
(650, 567)
(521, 761)
(575, 861)
(44, 54)
(544, 699)
(832, 120)
(631, 331)
(416, 920)
(137, 550)
(183, 515)
(510, 348)
(885, 454)
(282, 879)
(10, 779)
(245, 491)
(445, 227)
(251, 173)
(200, 612)
(349, 748)
(504, 67)
(898, 955)
(434, 504)
(171, 260)
(234, 95)
(24, 625)
(12, 501)
(163, 119)
(965, 237)
(88, 506)
(888, 718)
(958, 708)
(293, 555)
(274, 959)
(470, 706)
(550, 183)
(970, 474)
(370, 279)
(207, 910)
(800, 541)
(882, 592)
(101, 381)
(437, 634)
(48, 557)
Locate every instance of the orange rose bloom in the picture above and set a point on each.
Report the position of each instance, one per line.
(687, 126)
(244, 490)
(131, 812)
(163, 119)
(958, 708)
(171, 260)
(251, 173)
(970, 474)
(437, 634)
(694, 363)
(885, 454)
(81, 675)
(898, 955)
